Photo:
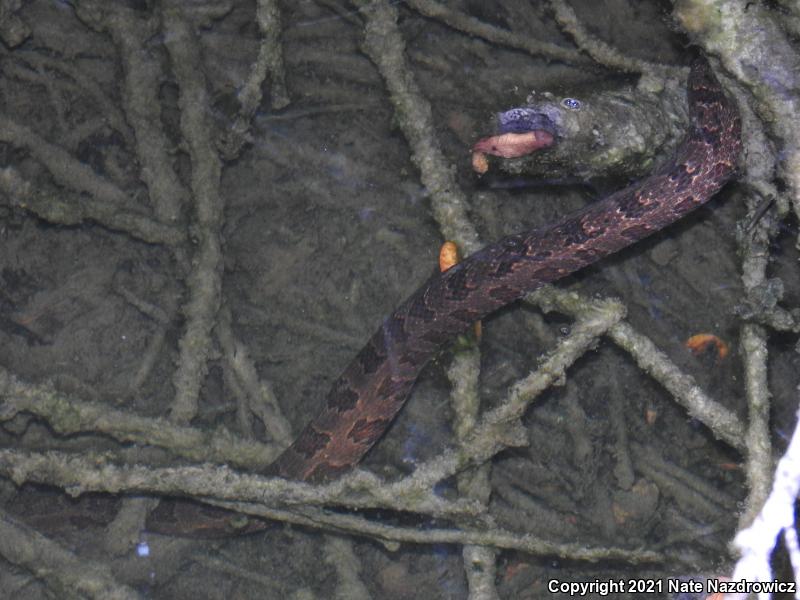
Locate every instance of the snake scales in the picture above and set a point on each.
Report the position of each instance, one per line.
(364, 400)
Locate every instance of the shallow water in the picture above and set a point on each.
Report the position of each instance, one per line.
(324, 226)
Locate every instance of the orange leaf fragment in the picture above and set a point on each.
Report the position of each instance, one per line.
(448, 256)
(700, 342)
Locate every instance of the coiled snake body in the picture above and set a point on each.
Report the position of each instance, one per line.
(364, 400)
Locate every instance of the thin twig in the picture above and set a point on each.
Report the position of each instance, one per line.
(204, 281)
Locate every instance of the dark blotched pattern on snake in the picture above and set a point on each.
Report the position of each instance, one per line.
(364, 400)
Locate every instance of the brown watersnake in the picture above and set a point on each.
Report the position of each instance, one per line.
(364, 400)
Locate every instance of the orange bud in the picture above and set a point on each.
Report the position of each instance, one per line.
(480, 164)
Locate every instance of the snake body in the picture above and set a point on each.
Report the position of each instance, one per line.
(364, 400)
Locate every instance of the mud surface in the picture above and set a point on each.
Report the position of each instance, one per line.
(326, 228)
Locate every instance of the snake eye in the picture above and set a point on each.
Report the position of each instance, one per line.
(571, 103)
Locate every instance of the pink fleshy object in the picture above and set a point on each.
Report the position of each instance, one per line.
(513, 145)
